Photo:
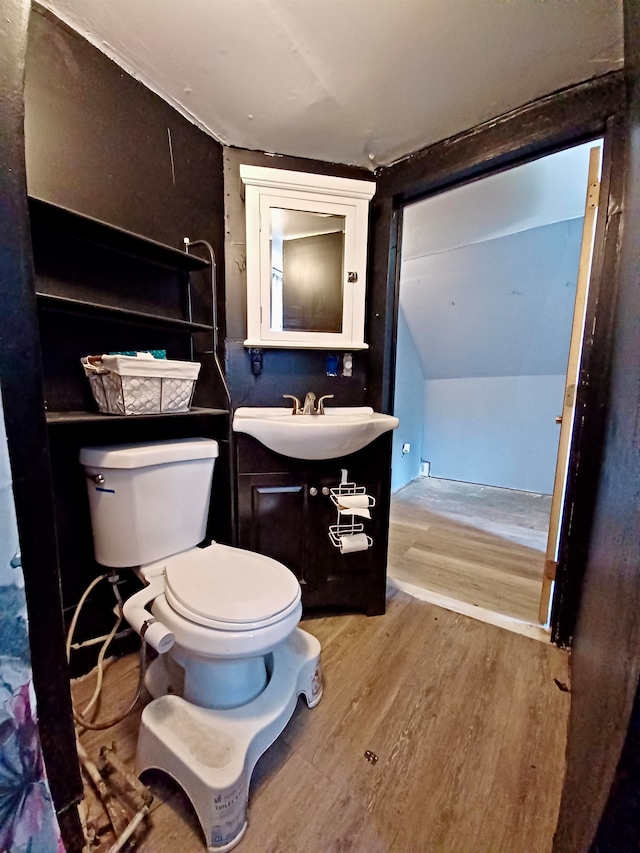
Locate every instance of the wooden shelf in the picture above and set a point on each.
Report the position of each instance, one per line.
(49, 217)
(100, 288)
(59, 419)
(69, 305)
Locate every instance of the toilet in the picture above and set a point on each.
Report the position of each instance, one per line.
(232, 660)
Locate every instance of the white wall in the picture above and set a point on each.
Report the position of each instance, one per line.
(490, 323)
(497, 430)
(499, 308)
(408, 407)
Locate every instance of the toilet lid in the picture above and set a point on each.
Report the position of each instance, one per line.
(220, 584)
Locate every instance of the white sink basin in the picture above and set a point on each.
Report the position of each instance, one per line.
(340, 431)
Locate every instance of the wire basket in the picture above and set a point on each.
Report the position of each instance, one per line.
(136, 385)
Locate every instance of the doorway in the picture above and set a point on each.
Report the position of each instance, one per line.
(486, 301)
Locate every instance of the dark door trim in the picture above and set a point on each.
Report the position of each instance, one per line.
(585, 453)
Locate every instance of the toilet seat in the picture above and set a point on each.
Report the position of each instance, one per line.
(229, 589)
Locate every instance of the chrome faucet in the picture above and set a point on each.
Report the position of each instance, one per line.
(313, 406)
(309, 407)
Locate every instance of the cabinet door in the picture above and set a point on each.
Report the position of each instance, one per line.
(273, 519)
(342, 581)
(306, 258)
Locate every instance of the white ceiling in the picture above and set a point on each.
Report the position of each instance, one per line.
(350, 81)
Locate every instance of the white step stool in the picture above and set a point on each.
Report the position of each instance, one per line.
(212, 753)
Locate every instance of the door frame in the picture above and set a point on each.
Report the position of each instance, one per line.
(567, 418)
(579, 114)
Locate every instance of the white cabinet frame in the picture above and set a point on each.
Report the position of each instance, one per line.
(267, 188)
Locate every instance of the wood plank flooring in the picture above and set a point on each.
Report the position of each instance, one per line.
(477, 544)
(466, 719)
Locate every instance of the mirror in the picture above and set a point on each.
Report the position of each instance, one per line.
(306, 259)
(307, 271)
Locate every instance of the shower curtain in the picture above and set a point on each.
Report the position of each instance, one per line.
(27, 817)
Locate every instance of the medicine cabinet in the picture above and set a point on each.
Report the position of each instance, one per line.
(306, 259)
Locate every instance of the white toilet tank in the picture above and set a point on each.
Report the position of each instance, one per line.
(148, 501)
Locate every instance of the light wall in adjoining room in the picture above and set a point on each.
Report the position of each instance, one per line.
(496, 430)
(408, 407)
(490, 324)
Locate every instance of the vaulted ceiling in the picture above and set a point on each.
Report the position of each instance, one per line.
(363, 82)
(489, 270)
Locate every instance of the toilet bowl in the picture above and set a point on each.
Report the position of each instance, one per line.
(223, 619)
(227, 609)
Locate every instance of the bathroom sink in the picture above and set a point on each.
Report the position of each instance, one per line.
(340, 431)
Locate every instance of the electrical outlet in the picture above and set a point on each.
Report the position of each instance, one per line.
(347, 364)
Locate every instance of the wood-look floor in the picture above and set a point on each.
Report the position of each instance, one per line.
(467, 720)
(478, 544)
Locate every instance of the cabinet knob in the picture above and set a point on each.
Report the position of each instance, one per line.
(313, 491)
(325, 490)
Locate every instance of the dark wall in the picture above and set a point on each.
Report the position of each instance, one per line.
(619, 828)
(102, 144)
(21, 386)
(283, 371)
(606, 648)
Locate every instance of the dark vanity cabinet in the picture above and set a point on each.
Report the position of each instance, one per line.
(285, 511)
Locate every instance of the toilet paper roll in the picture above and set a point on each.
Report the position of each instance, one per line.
(354, 505)
(361, 512)
(354, 542)
(353, 501)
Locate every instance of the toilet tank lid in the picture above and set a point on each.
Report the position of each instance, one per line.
(149, 453)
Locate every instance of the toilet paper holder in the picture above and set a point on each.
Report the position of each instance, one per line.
(337, 531)
(346, 488)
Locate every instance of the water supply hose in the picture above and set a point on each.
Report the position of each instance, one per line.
(80, 717)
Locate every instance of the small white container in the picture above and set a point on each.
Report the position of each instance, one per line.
(140, 385)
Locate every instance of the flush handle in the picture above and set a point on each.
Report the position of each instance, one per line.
(97, 478)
